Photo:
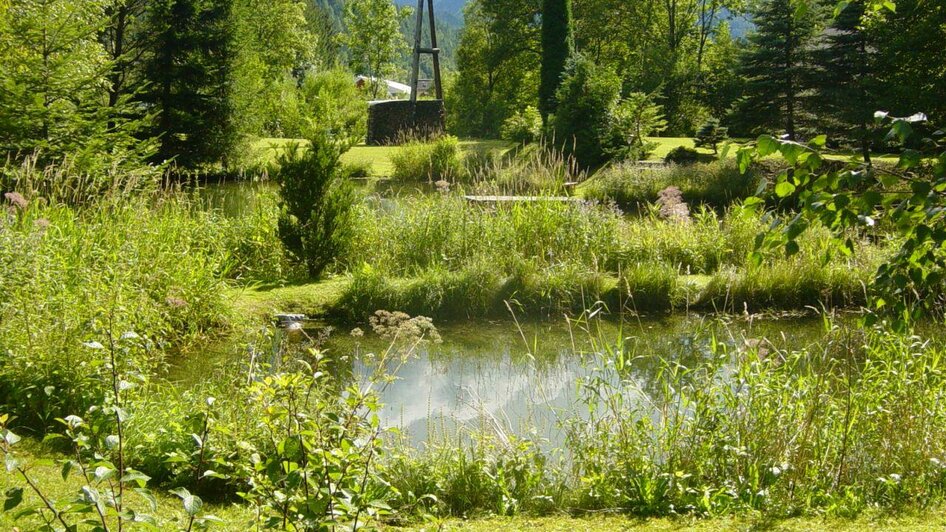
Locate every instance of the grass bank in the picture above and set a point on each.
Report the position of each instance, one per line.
(446, 257)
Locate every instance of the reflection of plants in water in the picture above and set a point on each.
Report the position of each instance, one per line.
(400, 326)
(779, 431)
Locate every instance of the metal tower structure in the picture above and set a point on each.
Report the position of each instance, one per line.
(419, 49)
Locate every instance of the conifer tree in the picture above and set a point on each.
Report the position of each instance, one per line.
(187, 74)
(845, 79)
(774, 67)
(557, 45)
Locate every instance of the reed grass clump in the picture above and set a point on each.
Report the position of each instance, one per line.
(532, 169)
(717, 184)
(836, 428)
(436, 160)
(152, 263)
(435, 253)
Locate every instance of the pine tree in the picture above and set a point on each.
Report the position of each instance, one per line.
(54, 96)
(557, 44)
(774, 67)
(187, 74)
(845, 79)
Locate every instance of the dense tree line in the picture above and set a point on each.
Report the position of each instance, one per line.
(176, 83)
(802, 68)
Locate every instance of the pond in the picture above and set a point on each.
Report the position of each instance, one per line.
(509, 377)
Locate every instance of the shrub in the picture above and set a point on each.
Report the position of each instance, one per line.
(357, 169)
(337, 104)
(631, 121)
(586, 98)
(524, 127)
(682, 155)
(315, 204)
(433, 161)
(711, 134)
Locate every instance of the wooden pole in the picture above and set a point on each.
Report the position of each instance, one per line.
(415, 68)
(436, 52)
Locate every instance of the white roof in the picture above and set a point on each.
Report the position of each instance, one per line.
(393, 86)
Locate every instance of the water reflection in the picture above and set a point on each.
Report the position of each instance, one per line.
(502, 377)
(491, 376)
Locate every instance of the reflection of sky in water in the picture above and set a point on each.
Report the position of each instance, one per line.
(482, 377)
(489, 375)
(432, 396)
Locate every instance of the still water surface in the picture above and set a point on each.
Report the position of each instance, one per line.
(520, 379)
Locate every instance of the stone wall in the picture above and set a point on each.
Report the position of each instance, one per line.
(391, 120)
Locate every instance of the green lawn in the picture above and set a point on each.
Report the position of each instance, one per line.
(377, 157)
(47, 475)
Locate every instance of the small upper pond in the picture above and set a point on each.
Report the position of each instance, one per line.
(519, 378)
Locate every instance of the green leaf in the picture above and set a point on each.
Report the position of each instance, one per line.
(10, 437)
(909, 159)
(766, 145)
(744, 158)
(784, 189)
(752, 202)
(14, 496)
(819, 141)
(901, 130)
(841, 6)
(67, 467)
(791, 248)
(137, 477)
(103, 472)
(192, 504)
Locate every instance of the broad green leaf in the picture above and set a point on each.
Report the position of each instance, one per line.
(14, 496)
(909, 159)
(766, 145)
(784, 189)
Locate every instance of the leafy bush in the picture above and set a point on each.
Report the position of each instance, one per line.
(315, 204)
(433, 161)
(711, 134)
(631, 121)
(357, 169)
(319, 467)
(523, 127)
(336, 104)
(682, 155)
(586, 98)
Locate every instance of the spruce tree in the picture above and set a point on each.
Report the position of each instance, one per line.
(774, 69)
(187, 75)
(556, 47)
(845, 79)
